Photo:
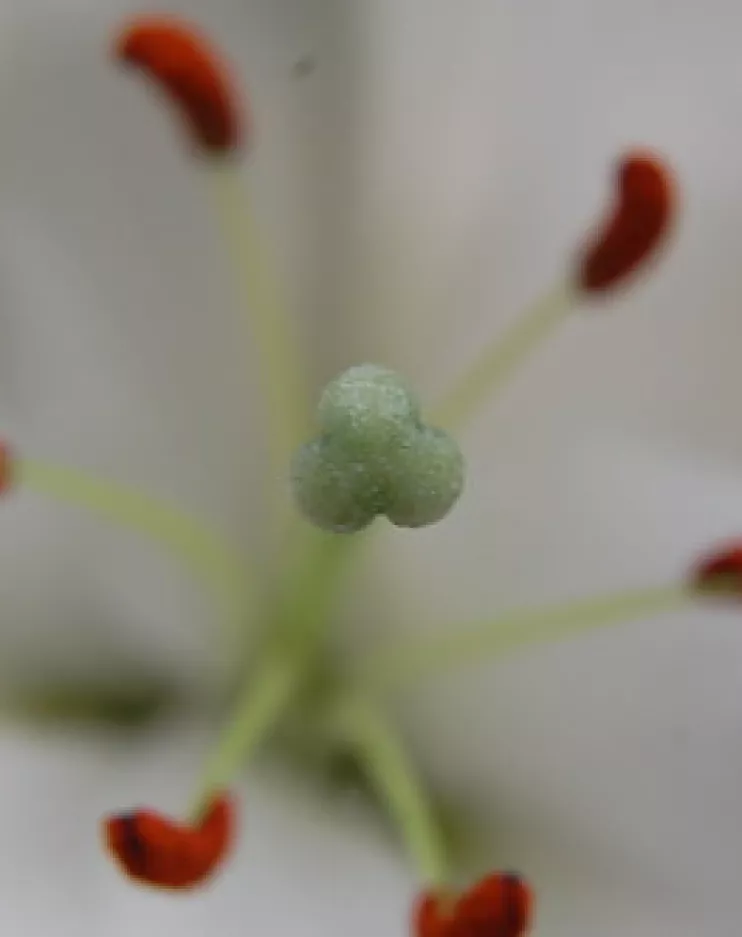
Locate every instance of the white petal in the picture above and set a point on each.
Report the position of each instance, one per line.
(613, 458)
(123, 350)
(302, 866)
(608, 760)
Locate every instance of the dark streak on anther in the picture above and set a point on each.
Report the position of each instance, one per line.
(513, 911)
(134, 845)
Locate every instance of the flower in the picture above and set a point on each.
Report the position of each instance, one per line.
(375, 457)
(359, 725)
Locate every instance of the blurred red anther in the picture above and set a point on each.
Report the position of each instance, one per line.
(500, 905)
(6, 468)
(721, 570)
(181, 61)
(154, 850)
(636, 226)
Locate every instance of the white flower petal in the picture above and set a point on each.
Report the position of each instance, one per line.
(301, 866)
(123, 351)
(477, 143)
(608, 460)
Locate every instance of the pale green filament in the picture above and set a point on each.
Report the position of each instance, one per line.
(276, 350)
(218, 565)
(295, 633)
(375, 456)
(256, 713)
(364, 730)
(503, 355)
(401, 664)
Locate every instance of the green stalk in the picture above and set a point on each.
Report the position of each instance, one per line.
(399, 665)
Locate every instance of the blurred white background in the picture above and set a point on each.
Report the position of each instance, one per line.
(433, 171)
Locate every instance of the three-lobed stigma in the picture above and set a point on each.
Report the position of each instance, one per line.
(375, 456)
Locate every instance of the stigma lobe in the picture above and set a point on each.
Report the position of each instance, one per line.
(178, 59)
(636, 225)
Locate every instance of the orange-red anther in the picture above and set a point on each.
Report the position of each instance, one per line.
(636, 226)
(429, 918)
(182, 62)
(721, 570)
(155, 850)
(500, 905)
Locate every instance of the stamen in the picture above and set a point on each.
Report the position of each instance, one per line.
(256, 713)
(636, 228)
(500, 358)
(400, 665)
(357, 723)
(637, 225)
(179, 59)
(220, 566)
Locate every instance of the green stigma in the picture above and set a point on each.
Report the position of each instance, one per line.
(375, 456)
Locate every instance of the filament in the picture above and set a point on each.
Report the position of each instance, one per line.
(403, 664)
(364, 729)
(257, 710)
(270, 332)
(500, 358)
(299, 622)
(220, 566)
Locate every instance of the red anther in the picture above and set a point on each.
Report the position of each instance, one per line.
(430, 918)
(155, 850)
(500, 905)
(721, 570)
(6, 468)
(636, 226)
(182, 62)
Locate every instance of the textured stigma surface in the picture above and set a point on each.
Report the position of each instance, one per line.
(375, 456)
